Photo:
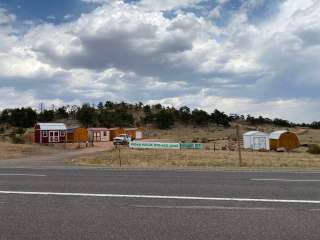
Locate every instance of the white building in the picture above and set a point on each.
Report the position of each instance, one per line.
(256, 140)
(99, 134)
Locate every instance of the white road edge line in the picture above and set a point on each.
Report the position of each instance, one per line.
(22, 174)
(205, 207)
(284, 180)
(161, 197)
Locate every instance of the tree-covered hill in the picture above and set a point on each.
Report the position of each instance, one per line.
(112, 114)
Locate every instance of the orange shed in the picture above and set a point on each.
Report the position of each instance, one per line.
(283, 139)
(77, 135)
(115, 132)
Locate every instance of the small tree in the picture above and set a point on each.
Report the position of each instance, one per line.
(164, 119)
(46, 116)
(87, 115)
(200, 117)
(184, 115)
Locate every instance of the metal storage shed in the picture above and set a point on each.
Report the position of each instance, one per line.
(284, 139)
(256, 140)
(99, 134)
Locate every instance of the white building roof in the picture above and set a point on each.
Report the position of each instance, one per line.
(255, 133)
(52, 126)
(277, 134)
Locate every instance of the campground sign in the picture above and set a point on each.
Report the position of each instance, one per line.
(154, 145)
(159, 145)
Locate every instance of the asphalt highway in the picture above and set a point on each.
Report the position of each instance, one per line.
(86, 203)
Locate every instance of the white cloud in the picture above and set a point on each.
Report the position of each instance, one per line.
(270, 68)
(285, 109)
(5, 17)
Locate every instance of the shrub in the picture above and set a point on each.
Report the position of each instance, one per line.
(17, 140)
(195, 140)
(204, 140)
(20, 131)
(314, 149)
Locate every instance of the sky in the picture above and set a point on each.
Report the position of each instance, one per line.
(258, 57)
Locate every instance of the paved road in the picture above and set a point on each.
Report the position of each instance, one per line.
(83, 203)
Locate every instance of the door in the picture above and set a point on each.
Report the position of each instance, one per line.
(259, 143)
(105, 136)
(54, 137)
(138, 135)
(97, 136)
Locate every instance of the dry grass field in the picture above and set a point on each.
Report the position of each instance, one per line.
(211, 156)
(10, 151)
(198, 158)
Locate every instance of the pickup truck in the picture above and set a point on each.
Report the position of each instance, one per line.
(122, 139)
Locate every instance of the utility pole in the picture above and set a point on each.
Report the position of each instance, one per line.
(239, 145)
(41, 107)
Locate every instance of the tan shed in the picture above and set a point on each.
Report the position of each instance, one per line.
(99, 134)
(283, 139)
(77, 135)
(134, 133)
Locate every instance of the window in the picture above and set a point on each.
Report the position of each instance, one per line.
(45, 133)
(104, 134)
(62, 133)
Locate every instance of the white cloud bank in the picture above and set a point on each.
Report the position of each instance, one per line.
(133, 52)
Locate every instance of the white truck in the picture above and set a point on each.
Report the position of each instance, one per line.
(122, 139)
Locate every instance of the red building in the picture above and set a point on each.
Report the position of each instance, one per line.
(50, 133)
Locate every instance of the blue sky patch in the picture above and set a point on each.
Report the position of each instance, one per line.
(55, 11)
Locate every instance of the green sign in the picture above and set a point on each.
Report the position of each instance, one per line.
(154, 145)
(191, 146)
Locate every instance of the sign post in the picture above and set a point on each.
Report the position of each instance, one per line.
(239, 146)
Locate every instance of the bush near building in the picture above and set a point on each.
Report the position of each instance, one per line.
(314, 149)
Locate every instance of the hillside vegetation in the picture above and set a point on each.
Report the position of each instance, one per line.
(110, 114)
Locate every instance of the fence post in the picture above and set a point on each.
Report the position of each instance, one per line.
(120, 163)
(239, 145)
